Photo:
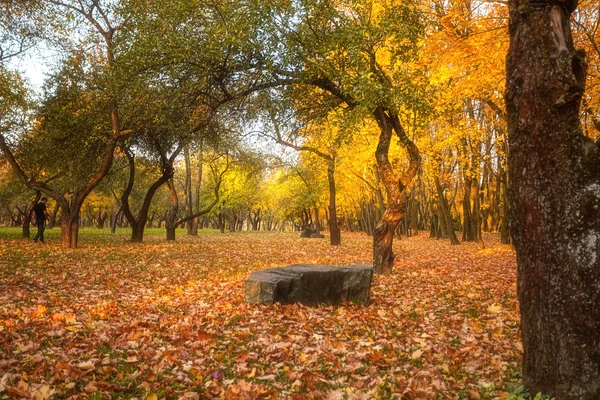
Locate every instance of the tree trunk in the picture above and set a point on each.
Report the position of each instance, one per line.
(445, 215)
(197, 225)
(139, 224)
(172, 214)
(383, 235)
(505, 226)
(467, 235)
(189, 201)
(554, 175)
(28, 214)
(334, 230)
(476, 212)
(114, 220)
(221, 221)
(52, 220)
(383, 238)
(102, 217)
(69, 227)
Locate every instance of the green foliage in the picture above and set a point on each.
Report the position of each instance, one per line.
(520, 393)
(73, 125)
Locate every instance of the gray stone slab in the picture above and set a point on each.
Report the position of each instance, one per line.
(310, 284)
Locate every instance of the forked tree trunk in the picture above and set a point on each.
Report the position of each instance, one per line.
(383, 235)
(445, 215)
(139, 224)
(554, 180)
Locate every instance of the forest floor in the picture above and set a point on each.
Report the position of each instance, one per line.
(167, 320)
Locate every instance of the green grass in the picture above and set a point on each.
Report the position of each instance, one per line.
(96, 236)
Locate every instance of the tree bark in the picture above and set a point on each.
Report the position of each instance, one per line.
(467, 235)
(28, 214)
(52, 220)
(139, 224)
(445, 215)
(383, 235)
(172, 213)
(69, 227)
(334, 230)
(189, 201)
(554, 175)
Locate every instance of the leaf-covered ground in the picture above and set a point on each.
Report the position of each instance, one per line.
(167, 320)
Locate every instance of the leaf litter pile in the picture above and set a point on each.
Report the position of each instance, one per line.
(168, 320)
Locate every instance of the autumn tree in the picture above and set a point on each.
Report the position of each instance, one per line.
(218, 164)
(555, 203)
(321, 138)
(359, 62)
(101, 23)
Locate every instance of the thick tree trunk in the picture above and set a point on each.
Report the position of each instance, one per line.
(102, 217)
(554, 175)
(445, 215)
(170, 232)
(69, 228)
(383, 237)
(334, 230)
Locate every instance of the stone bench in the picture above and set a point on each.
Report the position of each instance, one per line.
(310, 284)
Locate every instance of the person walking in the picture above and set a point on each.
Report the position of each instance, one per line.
(40, 219)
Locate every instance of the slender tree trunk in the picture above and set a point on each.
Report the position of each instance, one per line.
(29, 213)
(476, 212)
(221, 221)
(189, 201)
(52, 220)
(505, 237)
(172, 214)
(445, 215)
(114, 221)
(334, 230)
(196, 225)
(554, 175)
(467, 235)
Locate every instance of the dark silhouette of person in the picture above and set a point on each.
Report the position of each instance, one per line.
(40, 219)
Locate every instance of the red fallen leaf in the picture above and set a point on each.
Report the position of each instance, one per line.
(15, 391)
(375, 356)
(218, 375)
